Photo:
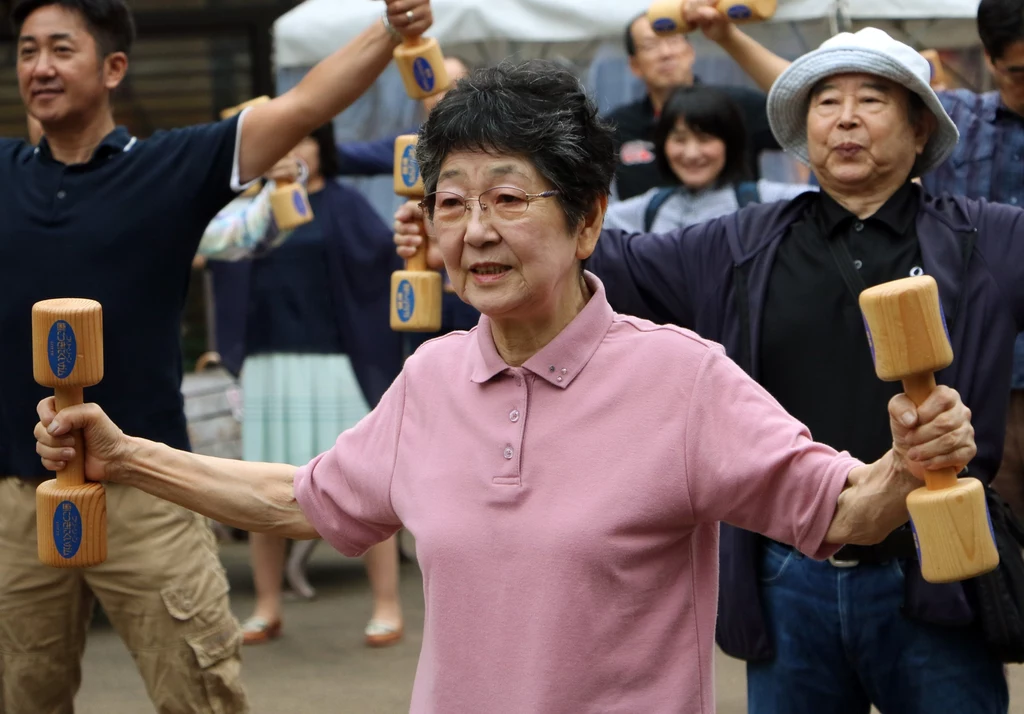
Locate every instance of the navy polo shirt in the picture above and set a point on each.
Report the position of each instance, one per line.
(121, 229)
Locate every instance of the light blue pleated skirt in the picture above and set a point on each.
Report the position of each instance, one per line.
(296, 405)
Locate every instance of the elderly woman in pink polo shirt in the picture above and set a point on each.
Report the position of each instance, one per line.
(564, 468)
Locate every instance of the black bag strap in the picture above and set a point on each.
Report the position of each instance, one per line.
(844, 261)
(655, 204)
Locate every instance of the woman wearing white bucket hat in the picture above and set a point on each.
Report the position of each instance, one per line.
(777, 285)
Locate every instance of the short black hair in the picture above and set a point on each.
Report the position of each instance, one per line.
(1000, 24)
(630, 41)
(110, 22)
(330, 166)
(536, 110)
(708, 111)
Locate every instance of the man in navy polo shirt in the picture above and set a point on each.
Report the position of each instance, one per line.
(94, 212)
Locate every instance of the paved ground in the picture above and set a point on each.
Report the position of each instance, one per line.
(320, 665)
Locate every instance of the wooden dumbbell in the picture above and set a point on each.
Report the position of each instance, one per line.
(909, 342)
(67, 354)
(421, 63)
(290, 204)
(415, 291)
(666, 16)
(938, 76)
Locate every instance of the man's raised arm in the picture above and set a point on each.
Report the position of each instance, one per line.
(272, 129)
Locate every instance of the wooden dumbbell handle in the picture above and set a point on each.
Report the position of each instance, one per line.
(918, 387)
(74, 473)
(419, 259)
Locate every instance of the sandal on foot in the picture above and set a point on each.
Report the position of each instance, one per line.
(257, 630)
(382, 634)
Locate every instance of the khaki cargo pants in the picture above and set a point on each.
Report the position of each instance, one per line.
(162, 587)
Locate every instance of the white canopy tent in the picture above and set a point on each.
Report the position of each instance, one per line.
(315, 28)
(940, 24)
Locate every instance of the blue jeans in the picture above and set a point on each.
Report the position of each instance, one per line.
(842, 644)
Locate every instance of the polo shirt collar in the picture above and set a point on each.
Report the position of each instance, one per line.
(116, 142)
(562, 359)
(898, 212)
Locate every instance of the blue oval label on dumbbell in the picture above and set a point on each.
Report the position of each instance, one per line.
(300, 203)
(405, 301)
(61, 349)
(424, 74)
(739, 12)
(871, 340)
(410, 168)
(942, 314)
(664, 24)
(67, 529)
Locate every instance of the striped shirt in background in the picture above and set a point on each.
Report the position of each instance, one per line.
(988, 163)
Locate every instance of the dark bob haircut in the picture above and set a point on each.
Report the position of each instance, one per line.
(537, 111)
(707, 111)
(109, 21)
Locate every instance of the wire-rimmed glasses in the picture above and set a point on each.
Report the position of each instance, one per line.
(502, 202)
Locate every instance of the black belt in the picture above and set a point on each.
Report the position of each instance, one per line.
(898, 545)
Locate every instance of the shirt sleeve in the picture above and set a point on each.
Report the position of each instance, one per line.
(752, 465)
(367, 158)
(243, 228)
(659, 276)
(202, 163)
(345, 493)
(1001, 244)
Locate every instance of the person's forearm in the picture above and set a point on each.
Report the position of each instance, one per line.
(760, 63)
(251, 496)
(873, 504)
(272, 129)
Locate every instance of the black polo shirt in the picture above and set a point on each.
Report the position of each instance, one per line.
(815, 358)
(637, 171)
(121, 229)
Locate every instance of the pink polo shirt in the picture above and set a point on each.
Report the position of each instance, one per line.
(566, 512)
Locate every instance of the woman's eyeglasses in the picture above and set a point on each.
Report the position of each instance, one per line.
(503, 202)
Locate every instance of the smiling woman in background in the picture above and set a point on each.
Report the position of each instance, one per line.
(701, 142)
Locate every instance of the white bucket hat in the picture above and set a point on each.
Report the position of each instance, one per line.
(870, 51)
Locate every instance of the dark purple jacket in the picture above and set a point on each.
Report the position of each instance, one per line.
(713, 278)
